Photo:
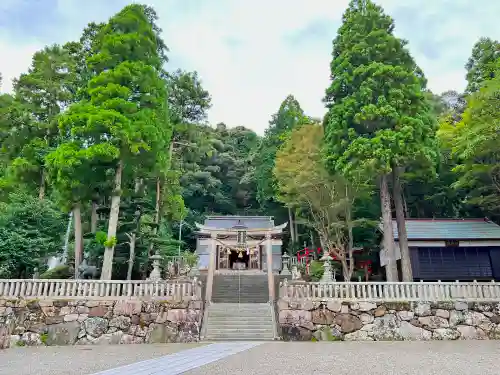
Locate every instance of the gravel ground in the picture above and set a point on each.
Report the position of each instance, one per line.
(79, 360)
(339, 358)
(374, 358)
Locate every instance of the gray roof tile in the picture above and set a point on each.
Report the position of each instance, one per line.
(251, 222)
(449, 229)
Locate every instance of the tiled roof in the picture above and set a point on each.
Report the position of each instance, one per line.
(251, 222)
(449, 229)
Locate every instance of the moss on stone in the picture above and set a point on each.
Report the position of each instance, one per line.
(398, 305)
(20, 343)
(43, 338)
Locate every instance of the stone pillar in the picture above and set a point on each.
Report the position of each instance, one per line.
(156, 272)
(211, 267)
(270, 276)
(327, 274)
(285, 271)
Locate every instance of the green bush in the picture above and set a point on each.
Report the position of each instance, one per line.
(316, 270)
(62, 271)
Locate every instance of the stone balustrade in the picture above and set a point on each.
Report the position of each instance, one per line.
(390, 291)
(68, 312)
(31, 322)
(100, 289)
(389, 311)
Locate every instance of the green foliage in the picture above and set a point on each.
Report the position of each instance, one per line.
(484, 63)
(43, 338)
(188, 100)
(62, 271)
(31, 230)
(110, 242)
(474, 142)
(101, 237)
(289, 116)
(378, 114)
(316, 270)
(190, 257)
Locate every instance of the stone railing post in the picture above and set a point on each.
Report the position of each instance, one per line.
(269, 257)
(211, 267)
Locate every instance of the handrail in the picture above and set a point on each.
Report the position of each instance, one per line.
(100, 289)
(391, 291)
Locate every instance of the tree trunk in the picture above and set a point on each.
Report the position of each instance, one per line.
(350, 237)
(131, 256)
(312, 239)
(77, 214)
(157, 212)
(295, 227)
(41, 191)
(93, 218)
(347, 270)
(400, 220)
(292, 228)
(391, 270)
(107, 264)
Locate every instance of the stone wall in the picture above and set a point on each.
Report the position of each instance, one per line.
(63, 322)
(333, 320)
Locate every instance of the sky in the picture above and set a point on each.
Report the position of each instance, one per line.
(251, 54)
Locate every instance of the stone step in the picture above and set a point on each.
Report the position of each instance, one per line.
(230, 331)
(254, 289)
(242, 316)
(240, 337)
(231, 339)
(242, 294)
(238, 318)
(240, 299)
(214, 327)
(235, 310)
(239, 306)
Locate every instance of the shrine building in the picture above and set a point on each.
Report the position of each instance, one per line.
(240, 243)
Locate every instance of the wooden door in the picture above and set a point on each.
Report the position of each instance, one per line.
(222, 258)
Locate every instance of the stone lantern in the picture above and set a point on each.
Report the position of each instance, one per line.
(327, 274)
(284, 259)
(156, 272)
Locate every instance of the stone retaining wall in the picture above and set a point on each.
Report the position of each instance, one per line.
(63, 322)
(305, 320)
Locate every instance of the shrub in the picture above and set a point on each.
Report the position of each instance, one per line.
(62, 271)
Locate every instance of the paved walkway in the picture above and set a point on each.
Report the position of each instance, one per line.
(181, 362)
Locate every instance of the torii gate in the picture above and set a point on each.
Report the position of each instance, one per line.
(241, 234)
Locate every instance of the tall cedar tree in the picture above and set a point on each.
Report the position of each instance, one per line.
(378, 118)
(289, 116)
(125, 119)
(41, 94)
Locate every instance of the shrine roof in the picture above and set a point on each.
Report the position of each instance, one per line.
(449, 229)
(228, 222)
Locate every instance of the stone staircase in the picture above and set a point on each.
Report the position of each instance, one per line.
(239, 322)
(240, 288)
(240, 308)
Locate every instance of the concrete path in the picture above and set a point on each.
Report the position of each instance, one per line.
(181, 362)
